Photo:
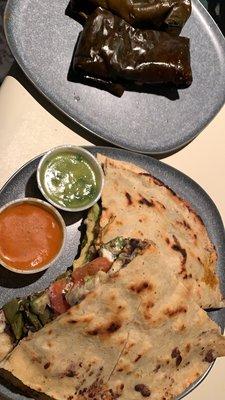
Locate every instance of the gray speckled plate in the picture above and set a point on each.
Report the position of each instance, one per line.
(23, 183)
(42, 39)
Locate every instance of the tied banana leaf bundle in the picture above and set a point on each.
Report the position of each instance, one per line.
(111, 52)
(168, 15)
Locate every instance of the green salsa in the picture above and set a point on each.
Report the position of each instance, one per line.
(69, 180)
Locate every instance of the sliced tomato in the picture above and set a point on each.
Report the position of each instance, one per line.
(57, 299)
(91, 268)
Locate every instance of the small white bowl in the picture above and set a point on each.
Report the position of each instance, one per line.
(53, 211)
(93, 163)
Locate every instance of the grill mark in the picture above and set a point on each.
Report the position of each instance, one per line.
(139, 287)
(146, 202)
(176, 311)
(111, 328)
(138, 358)
(186, 224)
(177, 247)
(129, 198)
(157, 368)
(145, 174)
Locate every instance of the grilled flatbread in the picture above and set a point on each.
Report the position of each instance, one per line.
(136, 204)
(137, 335)
(21, 316)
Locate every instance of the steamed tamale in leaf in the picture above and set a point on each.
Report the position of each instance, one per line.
(159, 14)
(111, 51)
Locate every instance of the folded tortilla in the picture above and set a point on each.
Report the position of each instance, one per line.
(136, 204)
(139, 334)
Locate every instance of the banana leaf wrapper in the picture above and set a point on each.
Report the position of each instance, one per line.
(168, 15)
(111, 52)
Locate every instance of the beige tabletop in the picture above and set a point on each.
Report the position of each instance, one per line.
(27, 130)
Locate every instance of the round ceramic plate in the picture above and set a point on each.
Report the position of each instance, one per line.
(42, 39)
(23, 183)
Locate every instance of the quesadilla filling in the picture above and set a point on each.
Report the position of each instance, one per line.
(21, 316)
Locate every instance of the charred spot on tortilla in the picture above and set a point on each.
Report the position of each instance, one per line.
(47, 365)
(158, 182)
(93, 332)
(157, 368)
(146, 202)
(149, 304)
(139, 287)
(176, 354)
(174, 312)
(186, 224)
(71, 374)
(113, 327)
(129, 198)
(188, 347)
(146, 309)
(209, 357)
(182, 328)
(103, 168)
(112, 395)
(138, 358)
(95, 390)
(177, 247)
(143, 389)
(161, 205)
(145, 174)
(187, 276)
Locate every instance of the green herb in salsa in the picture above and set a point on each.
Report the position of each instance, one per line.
(69, 180)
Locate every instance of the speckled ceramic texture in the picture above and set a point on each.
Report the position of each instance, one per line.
(23, 183)
(42, 39)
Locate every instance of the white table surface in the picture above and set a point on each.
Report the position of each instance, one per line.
(27, 129)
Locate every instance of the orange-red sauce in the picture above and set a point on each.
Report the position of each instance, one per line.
(30, 236)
